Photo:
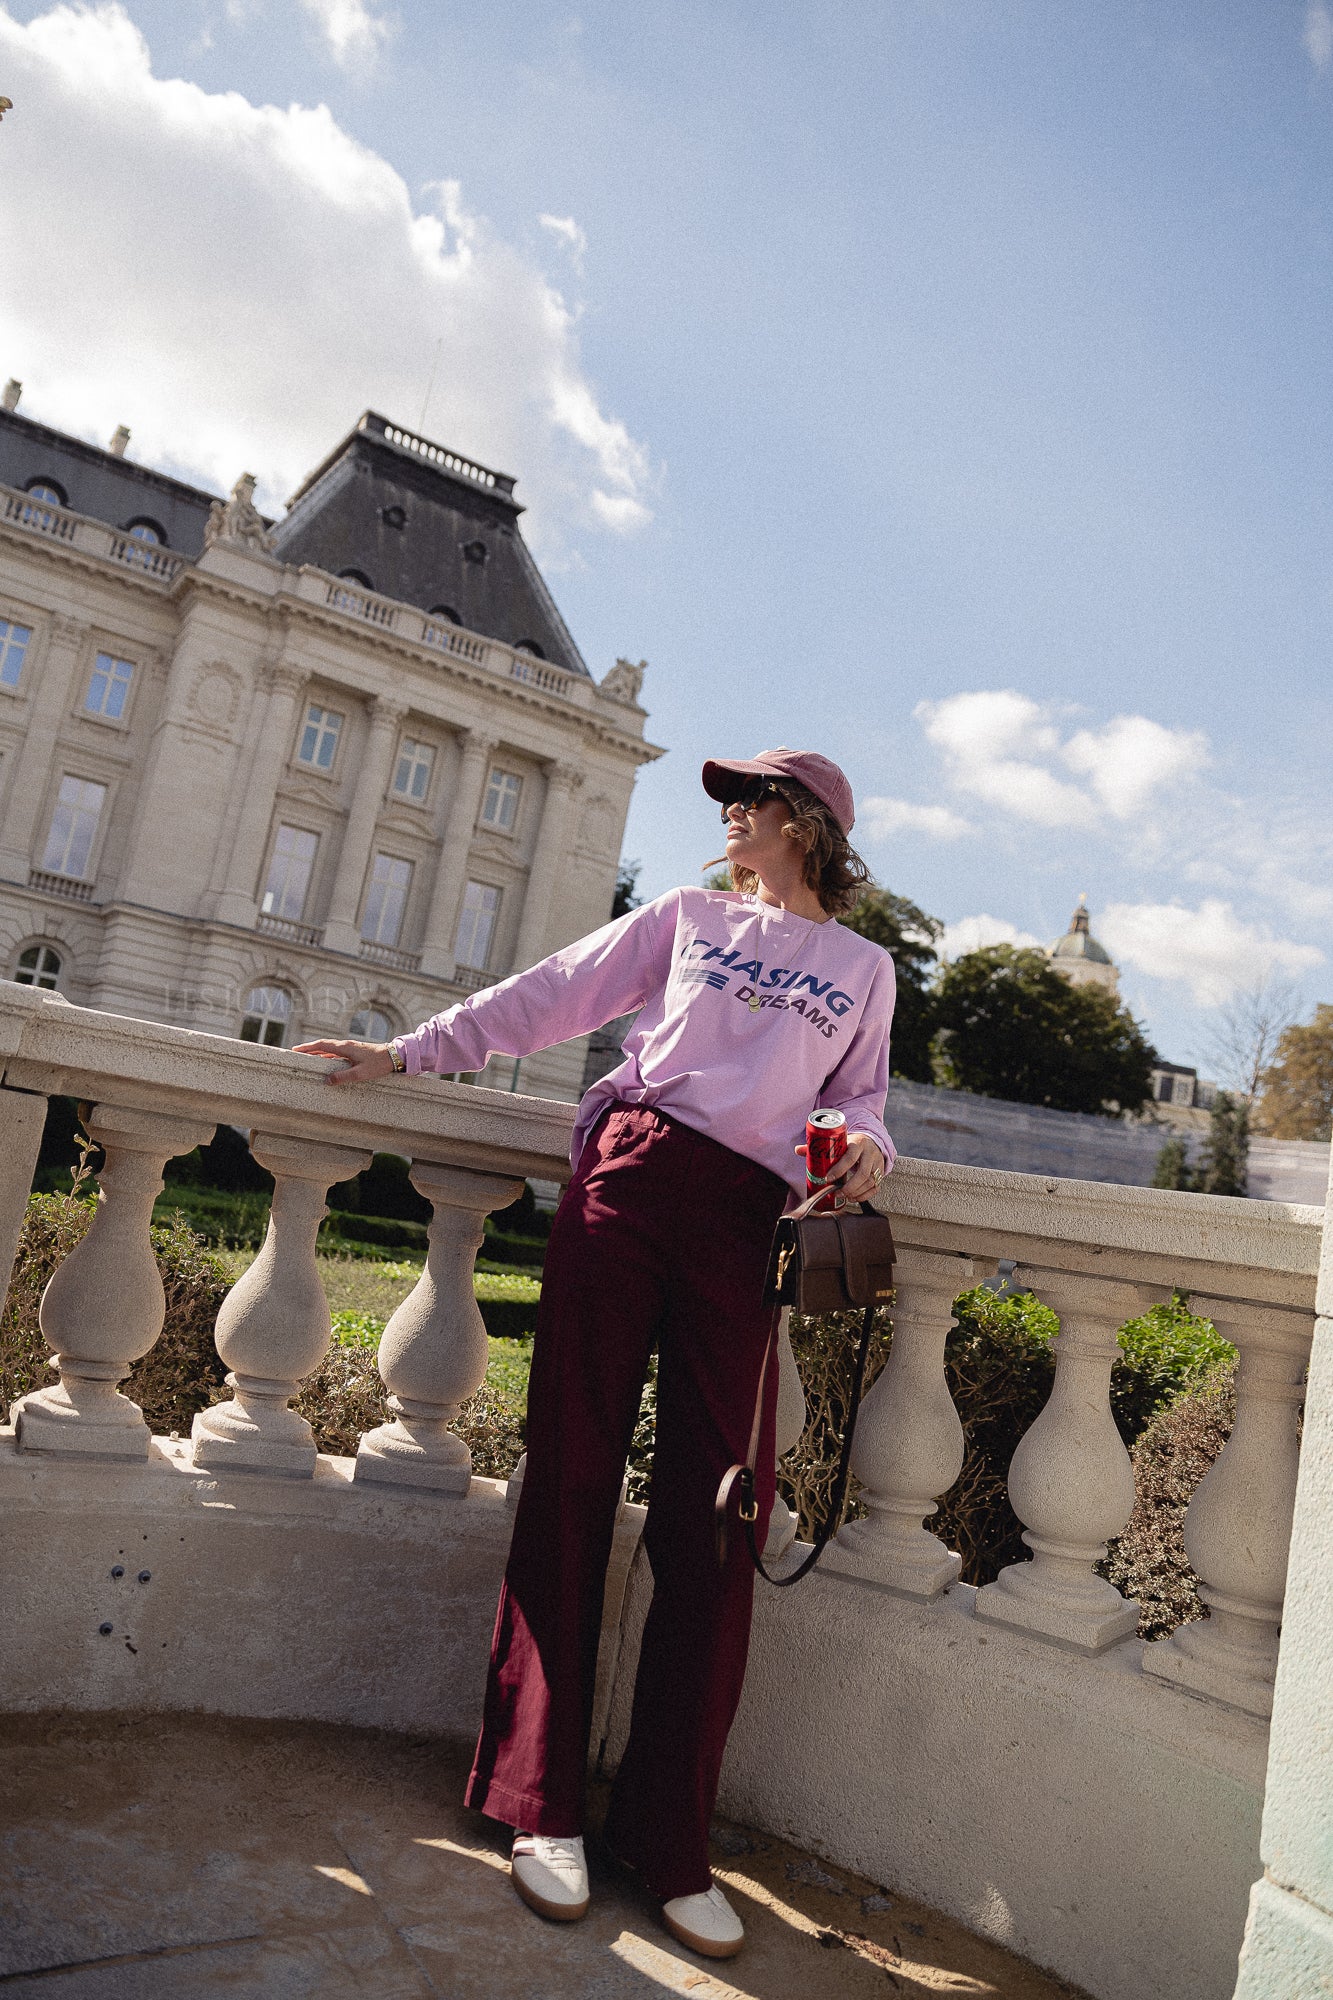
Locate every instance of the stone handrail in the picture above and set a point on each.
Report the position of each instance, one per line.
(1098, 1255)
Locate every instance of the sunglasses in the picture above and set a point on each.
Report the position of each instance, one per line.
(754, 793)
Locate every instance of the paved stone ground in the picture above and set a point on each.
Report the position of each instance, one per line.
(182, 1858)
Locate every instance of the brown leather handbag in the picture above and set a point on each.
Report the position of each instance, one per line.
(819, 1263)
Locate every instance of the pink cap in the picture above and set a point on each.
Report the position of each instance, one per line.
(724, 777)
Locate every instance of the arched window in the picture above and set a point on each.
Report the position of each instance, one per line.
(445, 611)
(356, 576)
(142, 530)
(369, 1025)
(530, 646)
(268, 1013)
(39, 965)
(47, 489)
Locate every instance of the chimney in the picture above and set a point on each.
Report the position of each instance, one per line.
(120, 439)
(9, 399)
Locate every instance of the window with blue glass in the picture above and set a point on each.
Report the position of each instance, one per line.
(319, 737)
(13, 650)
(109, 687)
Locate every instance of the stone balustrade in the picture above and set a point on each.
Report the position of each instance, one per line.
(928, 1730)
(1096, 1254)
(157, 1093)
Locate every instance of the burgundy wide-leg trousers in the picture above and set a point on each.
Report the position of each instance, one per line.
(662, 1238)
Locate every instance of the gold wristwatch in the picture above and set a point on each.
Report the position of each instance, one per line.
(398, 1059)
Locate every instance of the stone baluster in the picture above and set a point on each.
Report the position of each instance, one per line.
(1238, 1523)
(1071, 1482)
(908, 1448)
(372, 782)
(273, 1328)
(104, 1306)
(441, 933)
(22, 1121)
(433, 1352)
(783, 1524)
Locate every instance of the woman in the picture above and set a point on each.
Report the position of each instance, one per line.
(754, 1005)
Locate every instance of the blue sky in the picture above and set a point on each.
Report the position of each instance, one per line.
(945, 386)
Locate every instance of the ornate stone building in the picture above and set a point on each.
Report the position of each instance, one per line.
(1079, 957)
(314, 777)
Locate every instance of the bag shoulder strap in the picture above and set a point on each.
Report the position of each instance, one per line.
(741, 1477)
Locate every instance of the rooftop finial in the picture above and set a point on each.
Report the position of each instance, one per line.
(120, 437)
(13, 389)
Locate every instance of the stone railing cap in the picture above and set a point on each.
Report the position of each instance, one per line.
(50, 1047)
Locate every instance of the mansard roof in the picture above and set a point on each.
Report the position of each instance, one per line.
(412, 519)
(99, 483)
(420, 523)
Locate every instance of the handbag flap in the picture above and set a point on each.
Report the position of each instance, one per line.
(843, 1258)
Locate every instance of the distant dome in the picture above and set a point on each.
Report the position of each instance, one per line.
(1078, 955)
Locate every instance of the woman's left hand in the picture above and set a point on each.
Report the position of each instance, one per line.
(861, 1168)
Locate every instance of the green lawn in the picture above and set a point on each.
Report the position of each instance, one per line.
(362, 1293)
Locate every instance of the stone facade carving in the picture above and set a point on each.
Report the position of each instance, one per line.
(624, 682)
(238, 519)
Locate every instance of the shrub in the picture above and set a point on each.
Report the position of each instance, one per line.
(177, 1377)
(382, 1189)
(999, 1365)
(1177, 1448)
(345, 1398)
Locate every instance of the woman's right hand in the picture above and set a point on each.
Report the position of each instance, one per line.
(361, 1062)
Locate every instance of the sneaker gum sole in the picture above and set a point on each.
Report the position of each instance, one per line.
(558, 1913)
(706, 1947)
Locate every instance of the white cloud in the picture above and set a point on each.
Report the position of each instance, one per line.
(1000, 746)
(568, 232)
(884, 817)
(1210, 949)
(1131, 757)
(353, 29)
(1318, 35)
(973, 933)
(236, 282)
(990, 742)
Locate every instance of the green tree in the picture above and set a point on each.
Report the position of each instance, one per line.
(1173, 1169)
(1008, 1025)
(1224, 1164)
(1297, 1100)
(626, 897)
(911, 937)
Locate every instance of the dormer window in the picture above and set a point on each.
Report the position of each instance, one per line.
(356, 576)
(474, 552)
(146, 531)
(445, 611)
(394, 517)
(47, 490)
(530, 646)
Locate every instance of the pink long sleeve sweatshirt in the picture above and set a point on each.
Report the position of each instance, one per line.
(748, 1018)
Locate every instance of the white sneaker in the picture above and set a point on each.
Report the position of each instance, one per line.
(550, 1875)
(706, 1923)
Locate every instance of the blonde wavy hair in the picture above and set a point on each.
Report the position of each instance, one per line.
(833, 868)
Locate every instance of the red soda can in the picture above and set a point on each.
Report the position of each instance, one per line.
(825, 1144)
